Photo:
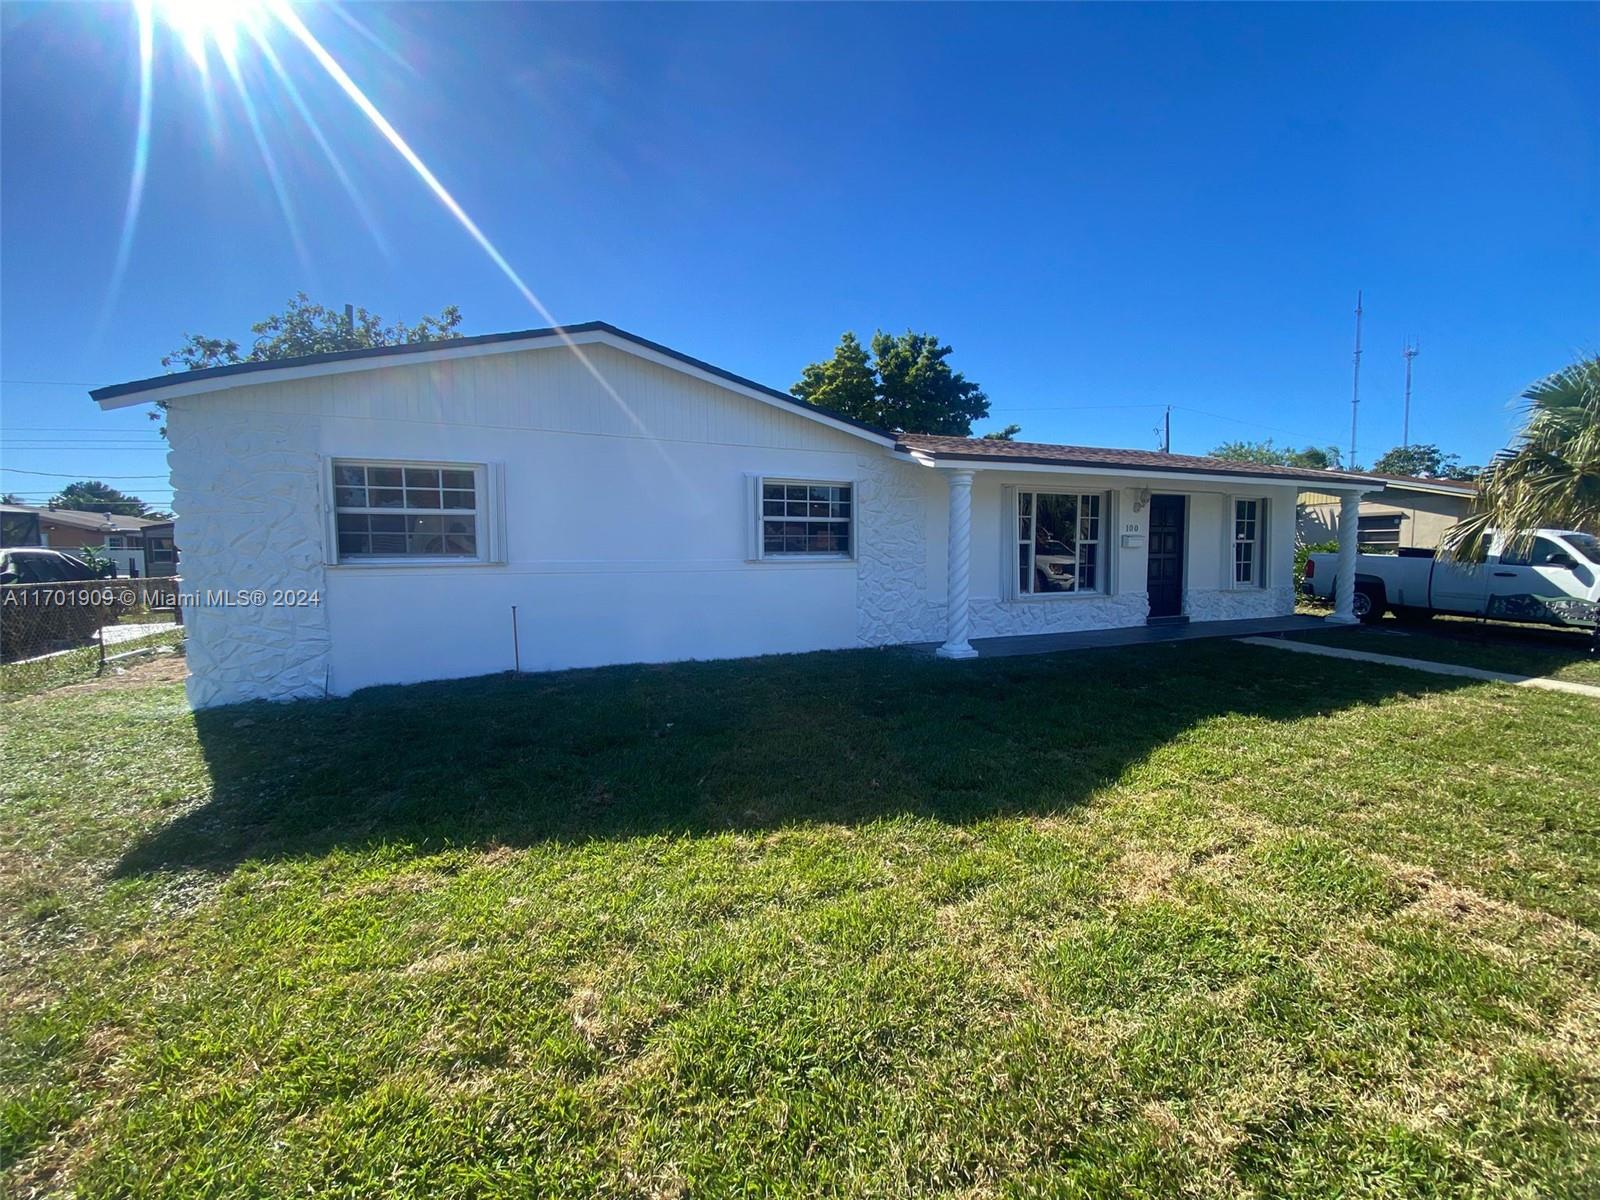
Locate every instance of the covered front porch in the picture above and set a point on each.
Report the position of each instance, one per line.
(1020, 645)
(1076, 547)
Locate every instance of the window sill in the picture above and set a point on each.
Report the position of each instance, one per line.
(1057, 597)
(389, 564)
(805, 560)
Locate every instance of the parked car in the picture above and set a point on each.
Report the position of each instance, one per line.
(1555, 581)
(40, 564)
(1054, 562)
(52, 601)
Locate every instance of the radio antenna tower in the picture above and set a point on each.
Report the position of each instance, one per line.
(1411, 351)
(1355, 385)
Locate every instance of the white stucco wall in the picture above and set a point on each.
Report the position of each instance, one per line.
(245, 486)
(625, 526)
(625, 533)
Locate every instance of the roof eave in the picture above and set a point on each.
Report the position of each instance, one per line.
(1465, 493)
(216, 379)
(1036, 463)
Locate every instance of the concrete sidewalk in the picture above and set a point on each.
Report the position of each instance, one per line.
(1433, 668)
(113, 635)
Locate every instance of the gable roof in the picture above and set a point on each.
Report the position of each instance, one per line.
(928, 446)
(980, 450)
(213, 379)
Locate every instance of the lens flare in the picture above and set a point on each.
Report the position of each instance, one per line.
(290, 20)
(202, 27)
(141, 163)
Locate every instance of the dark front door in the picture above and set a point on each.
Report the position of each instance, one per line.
(1165, 583)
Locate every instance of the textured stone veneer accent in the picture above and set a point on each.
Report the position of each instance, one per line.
(1004, 618)
(892, 602)
(247, 491)
(1238, 604)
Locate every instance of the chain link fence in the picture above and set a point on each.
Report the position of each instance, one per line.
(53, 634)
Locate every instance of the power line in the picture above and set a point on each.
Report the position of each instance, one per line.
(153, 487)
(1074, 407)
(58, 439)
(52, 382)
(1007, 409)
(77, 429)
(1243, 421)
(77, 474)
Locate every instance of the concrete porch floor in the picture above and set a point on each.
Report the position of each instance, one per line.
(1133, 635)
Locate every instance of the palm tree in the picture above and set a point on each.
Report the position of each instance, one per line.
(1551, 477)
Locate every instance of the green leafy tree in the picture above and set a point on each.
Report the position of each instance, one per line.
(91, 495)
(1426, 461)
(845, 384)
(1321, 458)
(1550, 479)
(906, 384)
(10, 498)
(304, 328)
(1008, 434)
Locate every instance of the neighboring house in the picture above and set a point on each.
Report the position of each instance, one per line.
(1408, 512)
(118, 538)
(160, 550)
(391, 507)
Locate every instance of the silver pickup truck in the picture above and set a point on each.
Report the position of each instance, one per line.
(1555, 581)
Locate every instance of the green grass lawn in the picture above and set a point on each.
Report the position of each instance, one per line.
(1516, 649)
(1188, 920)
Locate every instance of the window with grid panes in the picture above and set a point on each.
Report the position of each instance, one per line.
(806, 518)
(405, 510)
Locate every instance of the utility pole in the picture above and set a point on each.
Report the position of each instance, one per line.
(1355, 385)
(1411, 351)
(1163, 432)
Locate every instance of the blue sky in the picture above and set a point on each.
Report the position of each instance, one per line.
(1104, 209)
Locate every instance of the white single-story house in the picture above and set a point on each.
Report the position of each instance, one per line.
(582, 496)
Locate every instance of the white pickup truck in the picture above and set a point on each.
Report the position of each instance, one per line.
(1555, 581)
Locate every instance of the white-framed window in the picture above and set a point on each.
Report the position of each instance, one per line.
(804, 518)
(387, 511)
(1058, 540)
(1249, 539)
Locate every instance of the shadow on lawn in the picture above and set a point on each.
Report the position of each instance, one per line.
(701, 747)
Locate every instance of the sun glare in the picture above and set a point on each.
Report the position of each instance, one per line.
(200, 25)
(227, 26)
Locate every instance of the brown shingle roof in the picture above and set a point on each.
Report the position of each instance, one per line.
(1044, 453)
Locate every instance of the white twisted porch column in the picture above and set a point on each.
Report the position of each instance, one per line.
(1344, 582)
(959, 560)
